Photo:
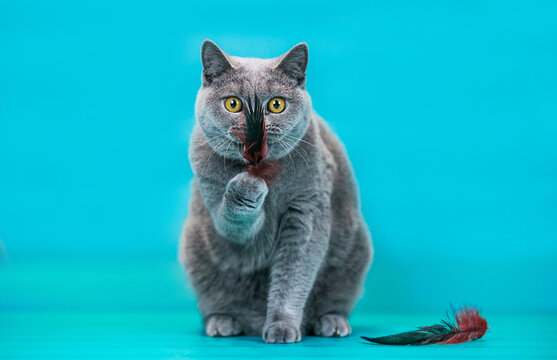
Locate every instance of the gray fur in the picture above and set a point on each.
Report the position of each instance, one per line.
(280, 260)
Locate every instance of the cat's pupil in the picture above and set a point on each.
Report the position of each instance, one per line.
(233, 104)
(276, 104)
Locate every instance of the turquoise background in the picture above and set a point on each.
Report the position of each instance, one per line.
(448, 112)
(447, 109)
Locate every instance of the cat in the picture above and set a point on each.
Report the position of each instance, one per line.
(277, 259)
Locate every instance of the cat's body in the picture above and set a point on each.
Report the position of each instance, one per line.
(279, 260)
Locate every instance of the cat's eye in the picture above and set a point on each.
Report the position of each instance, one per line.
(276, 105)
(233, 104)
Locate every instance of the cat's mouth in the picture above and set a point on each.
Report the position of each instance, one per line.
(272, 136)
(277, 143)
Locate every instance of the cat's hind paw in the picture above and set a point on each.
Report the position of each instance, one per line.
(222, 325)
(332, 325)
(281, 332)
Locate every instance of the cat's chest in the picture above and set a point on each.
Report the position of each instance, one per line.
(255, 255)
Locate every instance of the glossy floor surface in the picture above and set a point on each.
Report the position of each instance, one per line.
(177, 335)
(145, 310)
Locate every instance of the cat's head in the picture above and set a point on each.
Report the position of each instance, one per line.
(228, 82)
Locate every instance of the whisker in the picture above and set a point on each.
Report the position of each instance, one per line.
(224, 157)
(213, 151)
(297, 146)
(300, 139)
(288, 153)
(207, 139)
(304, 150)
(302, 156)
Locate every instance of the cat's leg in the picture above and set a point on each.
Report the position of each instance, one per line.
(218, 293)
(332, 325)
(231, 302)
(337, 288)
(301, 248)
(222, 325)
(239, 313)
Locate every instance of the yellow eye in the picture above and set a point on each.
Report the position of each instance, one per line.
(233, 104)
(276, 105)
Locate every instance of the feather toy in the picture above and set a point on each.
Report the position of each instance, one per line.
(254, 138)
(468, 325)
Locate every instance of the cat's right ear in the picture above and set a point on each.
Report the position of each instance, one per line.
(295, 62)
(215, 62)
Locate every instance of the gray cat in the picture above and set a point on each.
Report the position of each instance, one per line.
(277, 260)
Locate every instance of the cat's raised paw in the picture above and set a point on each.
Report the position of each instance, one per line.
(281, 332)
(222, 325)
(245, 192)
(332, 325)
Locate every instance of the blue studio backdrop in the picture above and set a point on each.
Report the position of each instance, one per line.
(447, 110)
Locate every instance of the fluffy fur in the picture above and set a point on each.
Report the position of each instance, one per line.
(277, 260)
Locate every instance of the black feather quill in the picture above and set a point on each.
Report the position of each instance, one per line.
(255, 134)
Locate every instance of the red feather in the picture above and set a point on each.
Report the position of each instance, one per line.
(468, 325)
(254, 138)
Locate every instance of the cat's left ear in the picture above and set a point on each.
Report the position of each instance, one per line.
(295, 62)
(215, 62)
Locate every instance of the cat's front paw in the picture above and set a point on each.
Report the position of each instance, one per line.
(281, 332)
(222, 325)
(330, 325)
(246, 192)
